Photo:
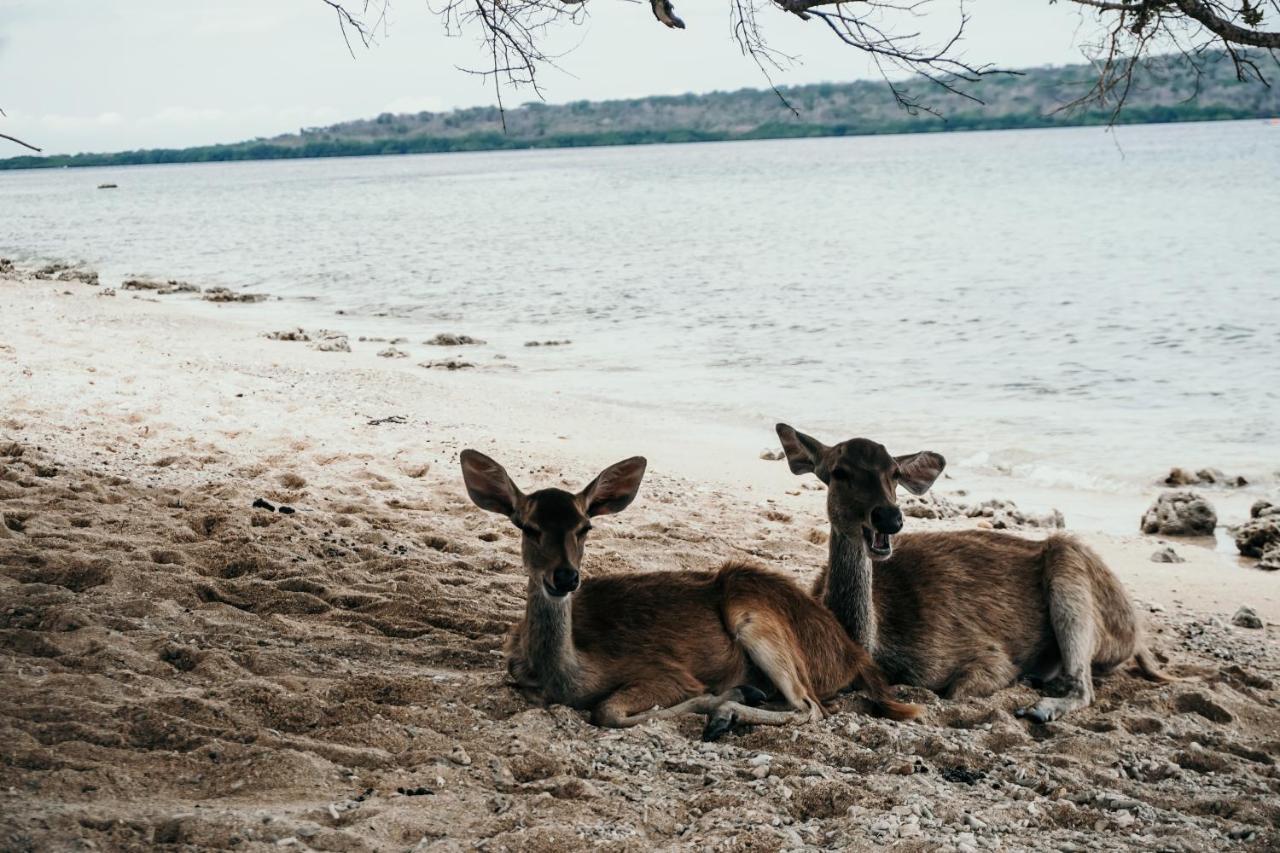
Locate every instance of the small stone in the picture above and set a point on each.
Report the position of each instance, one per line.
(1167, 555)
(1203, 477)
(298, 334)
(1262, 508)
(1246, 617)
(771, 455)
(392, 352)
(327, 340)
(1257, 535)
(447, 364)
(448, 339)
(162, 288)
(1180, 514)
(459, 756)
(223, 294)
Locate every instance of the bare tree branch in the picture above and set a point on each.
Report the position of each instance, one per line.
(1196, 31)
(19, 141)
(356, 22)
(1207, 14)
(14, 138)
(515, 35)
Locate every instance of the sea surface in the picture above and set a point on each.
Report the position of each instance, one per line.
(1069, 308)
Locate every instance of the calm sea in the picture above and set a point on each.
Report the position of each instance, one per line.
(1068, 307)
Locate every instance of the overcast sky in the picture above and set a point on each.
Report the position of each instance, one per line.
(107, 75)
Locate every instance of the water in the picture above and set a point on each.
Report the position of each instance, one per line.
(1065, 307)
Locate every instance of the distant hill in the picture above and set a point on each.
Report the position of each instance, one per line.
(825, 109)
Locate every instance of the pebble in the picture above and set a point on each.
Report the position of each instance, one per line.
(1246, 617)
(459, 756)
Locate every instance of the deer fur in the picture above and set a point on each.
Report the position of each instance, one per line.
(638, 647)
(963, 613)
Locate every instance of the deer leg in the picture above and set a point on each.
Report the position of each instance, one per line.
(773, 649)
(982, 674)
(639, 703)
(1071, 615)
(732, 713)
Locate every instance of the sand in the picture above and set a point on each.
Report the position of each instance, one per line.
(183, 669)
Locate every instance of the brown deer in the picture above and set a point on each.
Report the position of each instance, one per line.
(639, 647)
(963, 613)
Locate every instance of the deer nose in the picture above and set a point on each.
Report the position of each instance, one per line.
(887, 519)
(564, 580)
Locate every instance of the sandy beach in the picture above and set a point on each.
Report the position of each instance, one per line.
(185, 669)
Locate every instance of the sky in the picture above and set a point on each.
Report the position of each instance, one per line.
(89, 75)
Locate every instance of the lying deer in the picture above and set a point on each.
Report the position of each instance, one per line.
(963, 613)
(639, 647)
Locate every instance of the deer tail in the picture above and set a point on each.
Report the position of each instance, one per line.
(1149, 666)
(881, 693)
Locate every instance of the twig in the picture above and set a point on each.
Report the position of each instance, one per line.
(19, 141)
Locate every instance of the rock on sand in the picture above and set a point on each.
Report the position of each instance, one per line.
(1203, 477)
(1246, 618)
(1180, 514)
(1167, 555)
(448, 339)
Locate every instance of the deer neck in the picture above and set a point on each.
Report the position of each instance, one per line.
(848, 589)
(549, 643)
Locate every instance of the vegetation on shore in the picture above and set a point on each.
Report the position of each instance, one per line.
(1029, 99)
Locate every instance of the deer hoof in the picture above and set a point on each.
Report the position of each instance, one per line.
(1036, 713)
(717, 724)
(752, 697)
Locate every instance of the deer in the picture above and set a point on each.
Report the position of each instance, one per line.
(646, 646)
(962, 613)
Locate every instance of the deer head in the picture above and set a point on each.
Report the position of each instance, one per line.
(862, 481)
(553, 523)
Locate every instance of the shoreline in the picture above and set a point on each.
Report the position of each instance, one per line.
(491, 142)
(703, 455)
(186, 669)
(1092, 501)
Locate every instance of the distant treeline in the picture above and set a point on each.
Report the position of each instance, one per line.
(1027, 100)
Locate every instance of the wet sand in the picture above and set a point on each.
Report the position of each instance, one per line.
(184, 669)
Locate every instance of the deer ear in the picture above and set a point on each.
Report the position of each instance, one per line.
(615, 488)
(488, 484)
(804, 452)
(917, 471)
